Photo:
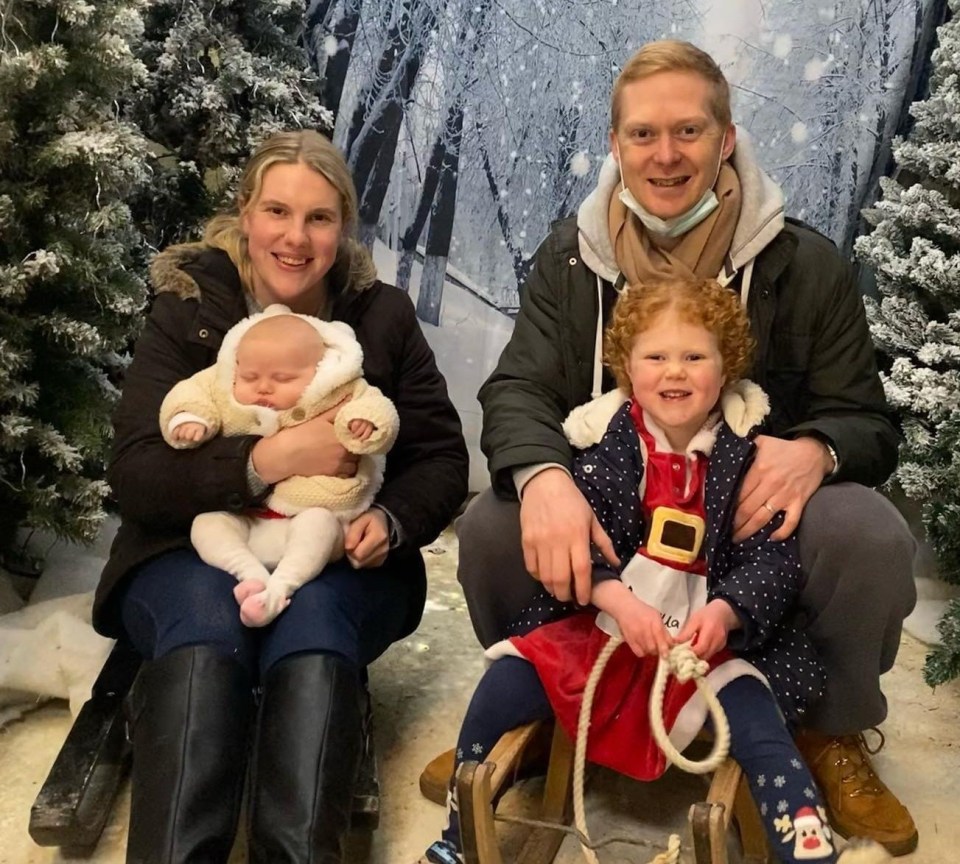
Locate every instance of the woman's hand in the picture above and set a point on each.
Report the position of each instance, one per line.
(308, 449)
(707, 628)
(367, 539)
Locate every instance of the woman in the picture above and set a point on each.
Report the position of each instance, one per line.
(291, 241)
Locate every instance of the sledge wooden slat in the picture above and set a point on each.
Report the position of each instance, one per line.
(76, 798)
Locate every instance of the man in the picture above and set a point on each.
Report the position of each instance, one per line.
(681, 193)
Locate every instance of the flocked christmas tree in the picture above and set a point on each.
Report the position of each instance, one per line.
(223, 75)
(70, 293)
(914, 251)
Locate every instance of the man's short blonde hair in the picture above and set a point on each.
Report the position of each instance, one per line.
(671, 55)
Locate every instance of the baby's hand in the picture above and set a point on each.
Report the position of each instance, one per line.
(189, 432)
(361, 429)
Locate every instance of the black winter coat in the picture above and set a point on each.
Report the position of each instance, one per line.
(814, 358)
(159, 490)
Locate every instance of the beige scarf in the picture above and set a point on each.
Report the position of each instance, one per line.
(699, 252)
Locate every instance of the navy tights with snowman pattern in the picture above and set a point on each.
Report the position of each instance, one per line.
(510, 694)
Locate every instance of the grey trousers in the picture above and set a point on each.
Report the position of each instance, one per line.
(858, 556)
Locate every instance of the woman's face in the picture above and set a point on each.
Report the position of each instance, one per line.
(293, 231)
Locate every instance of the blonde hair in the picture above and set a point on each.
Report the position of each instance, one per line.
(701, 302)
(671, 55)
(353, 267)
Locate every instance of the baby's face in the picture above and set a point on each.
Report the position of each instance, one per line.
(273, 373)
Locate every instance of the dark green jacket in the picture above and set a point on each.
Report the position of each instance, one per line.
(814, 357)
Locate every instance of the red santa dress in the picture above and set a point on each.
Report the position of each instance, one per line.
(668, 573)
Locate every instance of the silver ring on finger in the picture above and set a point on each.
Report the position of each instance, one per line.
(769, 508)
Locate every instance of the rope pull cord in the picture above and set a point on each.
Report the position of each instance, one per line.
(683, 663)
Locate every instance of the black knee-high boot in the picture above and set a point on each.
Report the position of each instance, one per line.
(191, 714)
(305, 761)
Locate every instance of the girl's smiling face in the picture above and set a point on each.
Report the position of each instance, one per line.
(676, 375)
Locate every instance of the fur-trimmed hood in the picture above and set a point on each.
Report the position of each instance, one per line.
(167, 273)
(170, 269)
(743, 405)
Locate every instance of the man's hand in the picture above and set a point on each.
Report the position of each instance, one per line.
(308, 449)
(707, 628)
(783, 476)
(556, 527)
(367, 539)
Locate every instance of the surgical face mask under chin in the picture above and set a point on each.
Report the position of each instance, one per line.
(676, 225)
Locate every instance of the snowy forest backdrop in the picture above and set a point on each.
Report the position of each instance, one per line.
(471, 125)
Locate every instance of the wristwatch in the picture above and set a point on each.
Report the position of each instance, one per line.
(833, 456)
(395, 538)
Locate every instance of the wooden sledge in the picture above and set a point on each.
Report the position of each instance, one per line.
(729, 806)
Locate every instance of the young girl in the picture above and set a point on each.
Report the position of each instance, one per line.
(662, 474)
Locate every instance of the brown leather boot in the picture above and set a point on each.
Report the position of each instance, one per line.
(435, 778)
(857, 800)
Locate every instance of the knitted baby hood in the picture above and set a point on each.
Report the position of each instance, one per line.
(342, 361)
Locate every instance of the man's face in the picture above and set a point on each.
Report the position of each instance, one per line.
(668, 142)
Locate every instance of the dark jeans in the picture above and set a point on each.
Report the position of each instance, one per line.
(858, 557)
(177, 600)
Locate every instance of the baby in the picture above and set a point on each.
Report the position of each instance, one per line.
(278, 369)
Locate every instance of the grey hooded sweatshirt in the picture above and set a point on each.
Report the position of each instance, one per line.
(814, 358)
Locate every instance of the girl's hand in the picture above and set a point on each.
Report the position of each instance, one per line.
(643, 630)
(707, 628)
(640, 624)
